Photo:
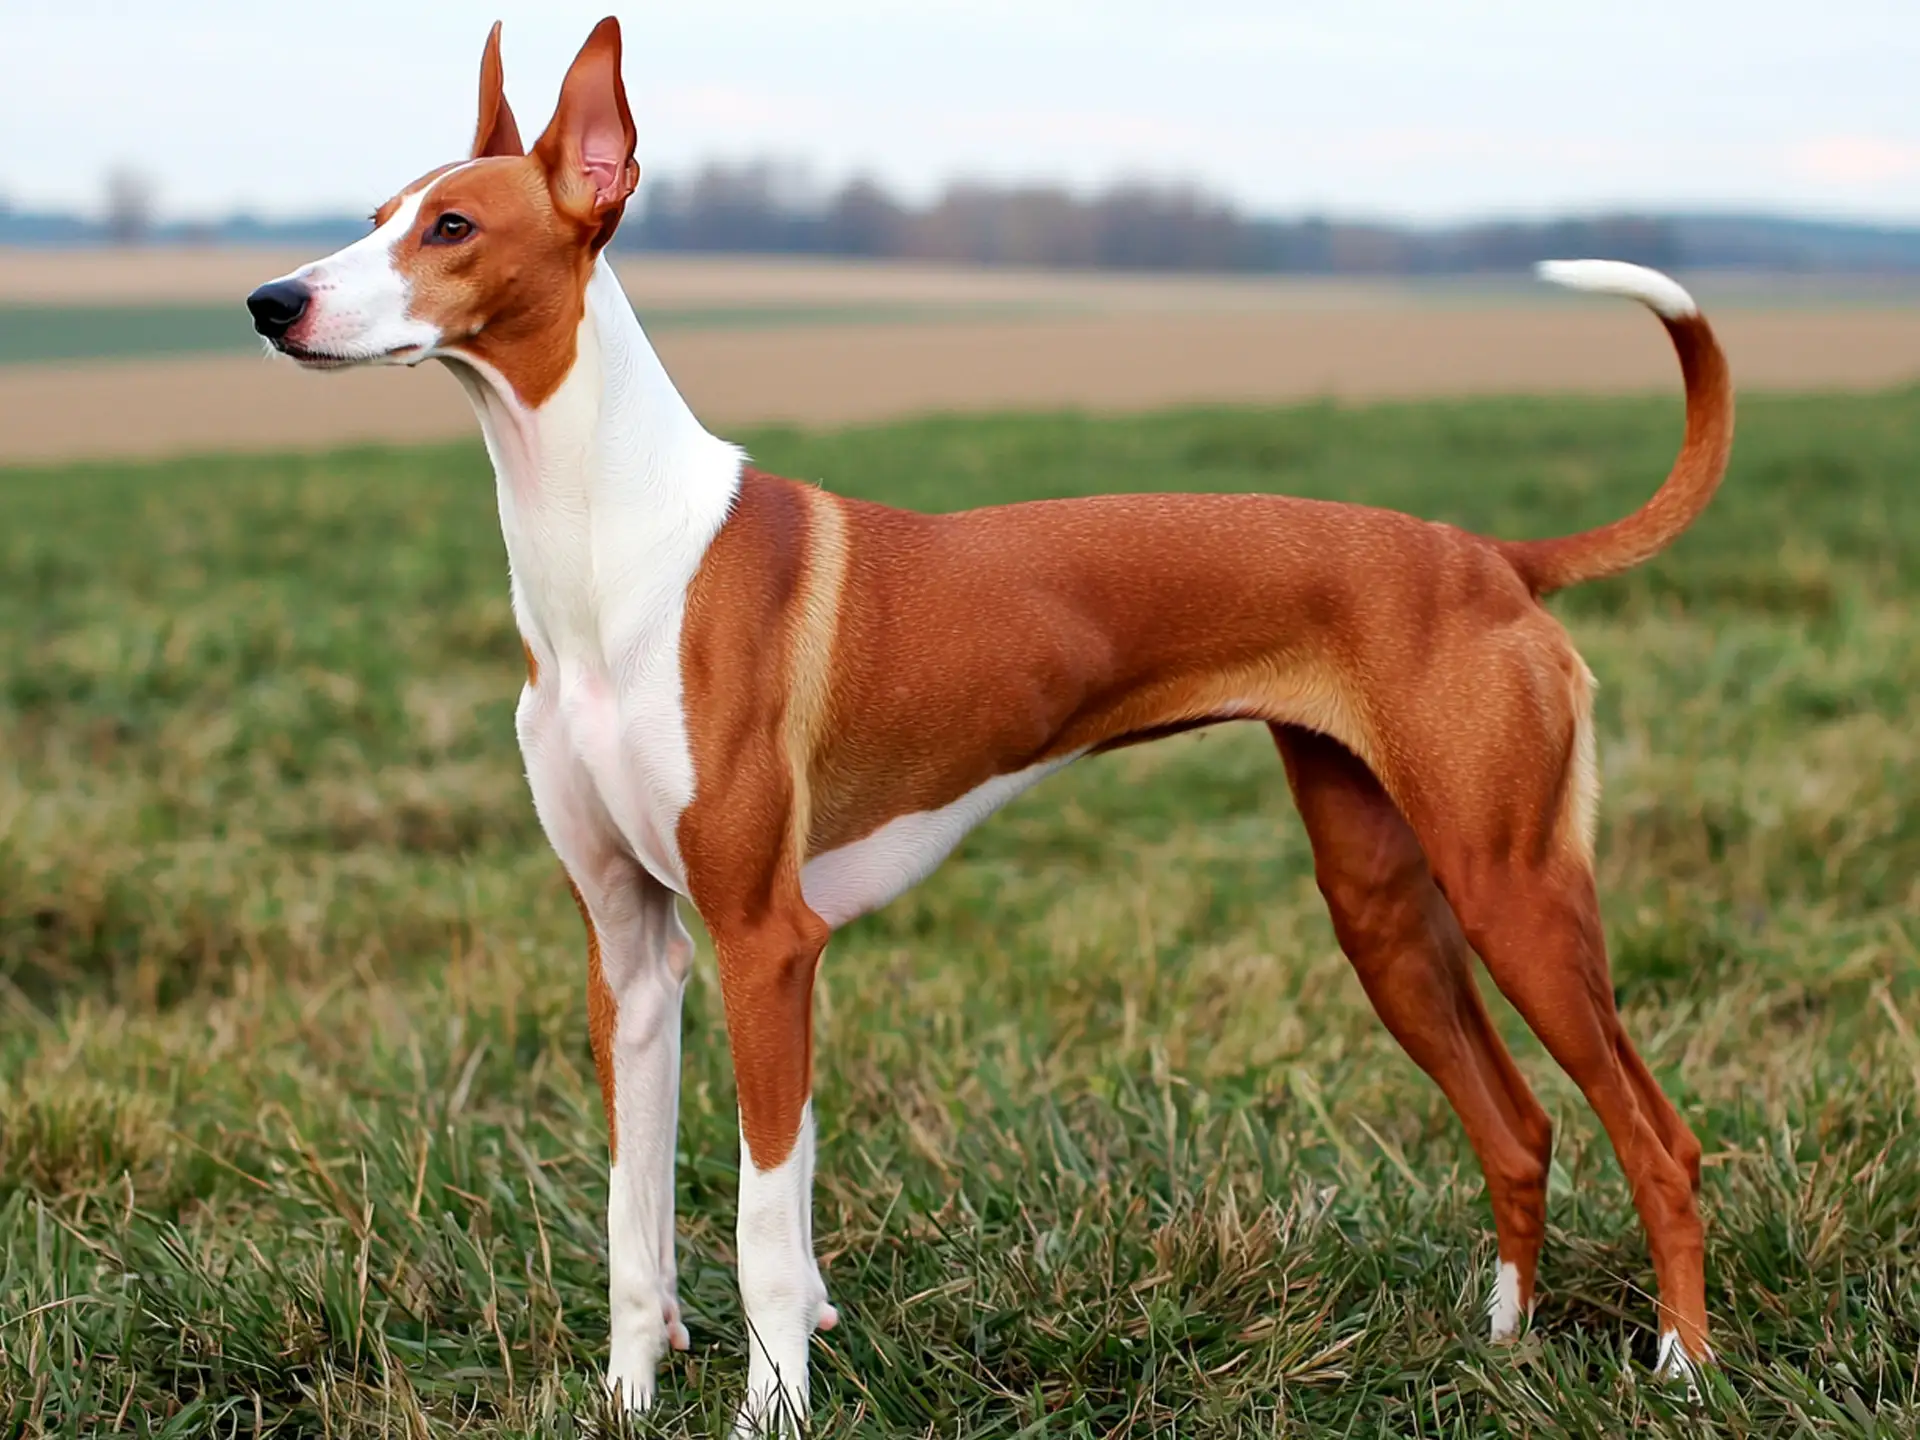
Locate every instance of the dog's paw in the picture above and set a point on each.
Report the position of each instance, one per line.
(1504, 1311)
(771, 1410)
(631, 1387)
(1675, 1366)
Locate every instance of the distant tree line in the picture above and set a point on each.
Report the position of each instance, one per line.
(761, 208)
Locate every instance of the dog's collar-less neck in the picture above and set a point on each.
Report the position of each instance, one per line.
(610, 492)
(616, 431)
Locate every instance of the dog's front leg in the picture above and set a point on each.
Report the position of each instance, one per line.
(638, 956)
(637, 973)
(766, 976)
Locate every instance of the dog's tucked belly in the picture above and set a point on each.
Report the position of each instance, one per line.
(842, 884)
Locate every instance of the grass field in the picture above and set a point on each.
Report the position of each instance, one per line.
(298, 1133)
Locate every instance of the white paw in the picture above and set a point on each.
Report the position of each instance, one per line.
(1675, 1366)
(631, 1386)
(776, 1402)
(1503, 1307)
(640, 1337)
(771, 1408)
(643, 1331)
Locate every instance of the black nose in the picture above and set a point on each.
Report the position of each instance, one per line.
(277, 307)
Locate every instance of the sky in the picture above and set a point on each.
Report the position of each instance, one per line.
(1426, 110)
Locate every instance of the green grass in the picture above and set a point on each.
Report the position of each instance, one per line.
(298, 1133)
(43, 334)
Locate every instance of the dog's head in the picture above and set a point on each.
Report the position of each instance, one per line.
(485, 259)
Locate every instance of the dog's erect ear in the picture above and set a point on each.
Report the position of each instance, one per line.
(496, 134)
(588, 146)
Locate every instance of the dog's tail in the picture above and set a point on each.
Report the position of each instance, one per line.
(1548, 565)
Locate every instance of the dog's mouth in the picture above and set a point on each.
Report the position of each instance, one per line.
(311, 359)
(315, 359)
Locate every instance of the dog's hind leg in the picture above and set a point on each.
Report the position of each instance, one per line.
(1413, 960)
(1673, 1131)
(1490, 801)
(1538, 928)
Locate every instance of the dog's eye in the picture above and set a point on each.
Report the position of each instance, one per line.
(450, 229)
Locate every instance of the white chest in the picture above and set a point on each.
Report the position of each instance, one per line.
(610, 765)
(599, 593)
(610, 493)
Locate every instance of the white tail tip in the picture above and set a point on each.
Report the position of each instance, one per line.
(1664, 296)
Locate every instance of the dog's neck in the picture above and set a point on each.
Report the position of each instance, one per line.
(609, 491)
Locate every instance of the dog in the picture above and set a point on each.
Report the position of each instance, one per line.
(787, 708)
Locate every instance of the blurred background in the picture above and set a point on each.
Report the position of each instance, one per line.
(857, 209)
(299, 1132)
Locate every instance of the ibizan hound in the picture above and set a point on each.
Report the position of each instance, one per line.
(787, 708)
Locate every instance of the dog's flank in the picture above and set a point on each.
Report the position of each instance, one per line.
(787, 707)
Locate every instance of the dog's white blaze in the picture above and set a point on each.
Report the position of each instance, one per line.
(780, 1286)
(1659, 293)
(359, 296)
(843, 884)
(1504, 1308)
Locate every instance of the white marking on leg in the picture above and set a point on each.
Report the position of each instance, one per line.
(645, 954)
(644, 959)
(780, 1286)
(1673, 1364)
(1504, 1307)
